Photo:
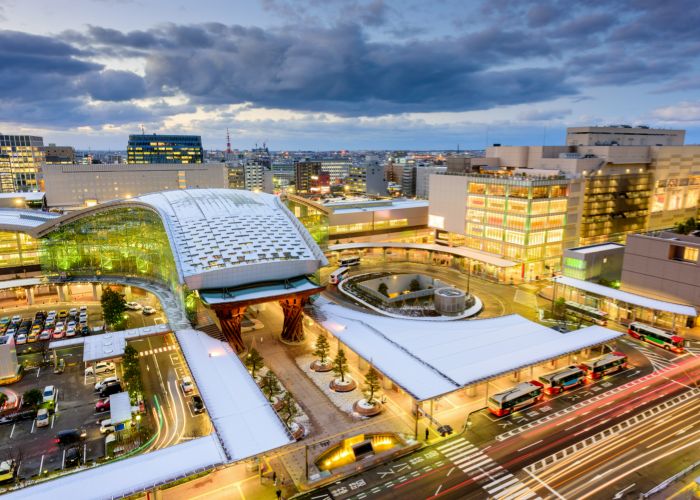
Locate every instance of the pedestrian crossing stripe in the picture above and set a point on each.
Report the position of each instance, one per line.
(494, 479)
(157, 350)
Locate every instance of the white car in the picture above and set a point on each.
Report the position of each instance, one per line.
(70, 332)
(134, 306)
(99, 385)
(147, 310)
(49, 393)
(83, 309)
(60, 326)
(106, 426)
(42, 417)
(99, 368)
(73, 311)
(186, 385)
(21, 339)
(16, 320)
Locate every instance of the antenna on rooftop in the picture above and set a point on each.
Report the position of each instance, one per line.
(228, 142)
(143, 131)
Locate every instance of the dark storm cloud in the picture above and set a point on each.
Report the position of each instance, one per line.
(111, 85)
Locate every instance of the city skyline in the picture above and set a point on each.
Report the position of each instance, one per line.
(345, 75)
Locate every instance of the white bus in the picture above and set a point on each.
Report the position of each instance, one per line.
(604, 365)
(587, 312)
(562, 380)
(338, 275)
(658, 337)
(349, 261)
(515, 398)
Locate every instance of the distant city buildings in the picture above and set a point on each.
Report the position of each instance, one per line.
(304, 172)
(21, 157)
(59, 154)
(155, 148)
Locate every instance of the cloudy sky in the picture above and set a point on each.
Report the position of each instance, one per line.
(346, 74)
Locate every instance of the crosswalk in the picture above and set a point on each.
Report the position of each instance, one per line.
(498, 482)
(157, 350)
(658, 361)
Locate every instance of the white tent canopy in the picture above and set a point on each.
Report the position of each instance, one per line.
(429, 359)
(627, 297)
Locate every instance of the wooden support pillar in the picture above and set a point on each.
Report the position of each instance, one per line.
(293, 326)
(231, 326)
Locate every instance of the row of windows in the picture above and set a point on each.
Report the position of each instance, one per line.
(557, 191)
(515, 237)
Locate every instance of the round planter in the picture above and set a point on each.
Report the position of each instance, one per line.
(276, 403)
(366, 410)
(297, 430)
(321, 368)
(337, 386)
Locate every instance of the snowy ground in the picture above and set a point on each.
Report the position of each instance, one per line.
(343, 400)
(302, 418)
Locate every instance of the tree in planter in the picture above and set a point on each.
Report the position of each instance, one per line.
(33, 397)
(270, 386)
(414, 286)
(340, 365)
(322, 348)
(559, 309)
(372, 385)
(383, 289)
(132, 373)
(254, 361)
(113, 306)
(289, 409)
(3, 399)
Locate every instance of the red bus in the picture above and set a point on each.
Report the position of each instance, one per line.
(658, 337)
(604, 365)
(515, 398)
(562, 380)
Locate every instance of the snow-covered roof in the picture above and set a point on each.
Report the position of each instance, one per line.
(226, 237)
(135, 474)
(627, 297)
(603, 247)
(431, 359)
(119, 407)
(243, 419)
(458, 251)
(13, 219)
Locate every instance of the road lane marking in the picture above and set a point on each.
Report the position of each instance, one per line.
(437, 490)
(549, 488)
(530, 445)
(449, 472)
(41, 464)
(13, 429)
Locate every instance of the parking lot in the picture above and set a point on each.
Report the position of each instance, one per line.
(34, 447)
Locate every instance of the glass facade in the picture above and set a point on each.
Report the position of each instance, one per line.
(518, 218)
(123, 241)
(314, 220)
(164, 149)
(21, 157)
(18, 252)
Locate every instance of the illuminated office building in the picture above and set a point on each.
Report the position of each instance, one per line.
(164, 149)
(21, 157)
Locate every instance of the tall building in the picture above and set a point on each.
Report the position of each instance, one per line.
(338, 169)
(155, 148)
(21, 157)
(59, 154)
(408, 180)
(423, 179)
(303, 173)
(368, 178)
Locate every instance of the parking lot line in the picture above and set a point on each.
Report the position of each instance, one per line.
(85, 453)
(13, 430)
(32, 430)
(53, 419)
(63, 460)
(38, 372)
(41, 464)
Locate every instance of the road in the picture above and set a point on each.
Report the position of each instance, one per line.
(473, 466)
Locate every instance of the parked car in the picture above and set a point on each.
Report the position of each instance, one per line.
(45, 334)
(62, 314)
(33, 336)
(72, 456)
(70, 436)
(21, 338)
(11, 331)
(83, 309)
(148, 310)
(106, 426)
(73, 312)
(84, 330)
(60, 327)
(99, 368)
(197, 404)
(186, 385)
(49, 394)
(42, 417)
(134, 306)
(4, 321)
(110, 389)
(8, 471)
(102, 405)
(109, 380)
(71, 323)
(58, 334)
(16, 319)
(70, 331)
